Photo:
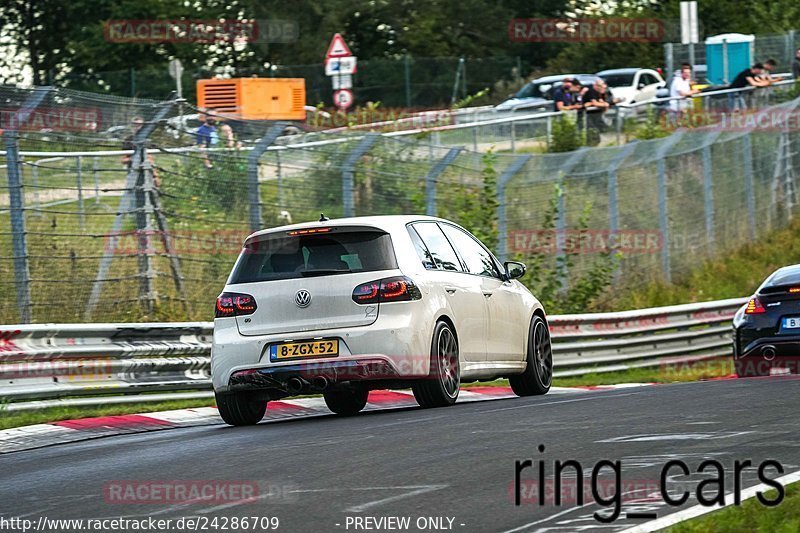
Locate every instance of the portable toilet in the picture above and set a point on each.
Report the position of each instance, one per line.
(727, 55)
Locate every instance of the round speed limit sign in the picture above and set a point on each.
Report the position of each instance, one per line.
(343, 98)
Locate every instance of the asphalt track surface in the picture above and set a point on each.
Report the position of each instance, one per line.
(320, 474)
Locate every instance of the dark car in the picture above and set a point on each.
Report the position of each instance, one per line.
(539, 92)
(766, 330)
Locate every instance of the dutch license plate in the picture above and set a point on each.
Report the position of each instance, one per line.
(302, 350)
(791, 323)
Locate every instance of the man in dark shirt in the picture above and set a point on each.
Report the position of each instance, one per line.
(563, 97)
(749, 77)
(595, 102)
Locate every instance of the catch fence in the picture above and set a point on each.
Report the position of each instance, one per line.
(100, 224)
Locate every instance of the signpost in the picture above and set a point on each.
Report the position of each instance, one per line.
(343, 98)
(176, 71)
(340, 65)
(689, 33)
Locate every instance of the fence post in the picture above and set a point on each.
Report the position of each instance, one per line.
(35, 179)
(19, 245)
(549, 133)
(280, 178)
(561, 220)
(407, 72)
(613, 208)
(668, 61)
(513, 137)
(708, 197)
(79, 183)
(144, 227)
(433, 174)
(253, 189)
(475, 138)
(131, 184)
(348, 170)
(663, 207)
(747, 152)
(96, 179)
(502, 221)
(22, 275)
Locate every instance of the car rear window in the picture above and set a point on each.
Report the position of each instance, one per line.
(284, 256)
(784, 276)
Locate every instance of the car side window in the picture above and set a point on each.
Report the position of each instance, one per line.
(422, 250)
(443, 254)
(478, 260)
(648, 79)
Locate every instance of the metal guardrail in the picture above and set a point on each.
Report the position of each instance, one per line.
(49, 361)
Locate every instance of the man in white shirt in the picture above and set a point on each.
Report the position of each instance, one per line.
(681, 87)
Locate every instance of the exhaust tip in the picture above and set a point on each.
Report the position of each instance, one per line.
(294, 385)
(768, 352)
(320, 383)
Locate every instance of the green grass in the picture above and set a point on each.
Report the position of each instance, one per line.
(735, 275)
(751, 516)
(12, 419)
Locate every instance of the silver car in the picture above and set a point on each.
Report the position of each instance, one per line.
(340, 307)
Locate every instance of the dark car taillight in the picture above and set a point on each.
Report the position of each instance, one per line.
(234, 304)
(754, 307)
(395, 289)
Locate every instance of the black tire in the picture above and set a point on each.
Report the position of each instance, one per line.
(538, 375)
(240, 409)
(346, 402)
(441, 387)
(750, 367)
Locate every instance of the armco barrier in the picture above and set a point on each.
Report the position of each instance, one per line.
(45, 361)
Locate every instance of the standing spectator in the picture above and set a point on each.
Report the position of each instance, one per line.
(228, 136)
(769, 68)
(563, 97)
(595, 104)
(681, 87)
(749, 77)
(207, 137)
(796, 65)
(128, 144)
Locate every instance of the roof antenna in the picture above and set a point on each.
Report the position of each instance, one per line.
(323, 218)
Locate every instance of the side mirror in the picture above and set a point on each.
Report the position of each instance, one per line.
(642, 86)
(514, 269)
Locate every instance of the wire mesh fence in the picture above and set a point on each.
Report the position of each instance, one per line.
(105, 220)
(408, 82)
(779, 46)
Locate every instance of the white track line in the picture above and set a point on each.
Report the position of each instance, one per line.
(699, 510)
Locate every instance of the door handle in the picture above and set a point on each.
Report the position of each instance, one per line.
(488, 294)
(450, 290)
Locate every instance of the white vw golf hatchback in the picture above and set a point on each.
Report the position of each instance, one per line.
(343, 306)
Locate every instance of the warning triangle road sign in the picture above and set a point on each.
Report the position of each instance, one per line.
(338, 48)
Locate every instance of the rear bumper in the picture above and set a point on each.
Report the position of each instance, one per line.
(783, 347)
(395, 346)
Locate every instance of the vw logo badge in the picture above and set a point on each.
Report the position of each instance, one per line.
(302, 298)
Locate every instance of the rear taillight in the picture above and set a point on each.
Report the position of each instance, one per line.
(754, 307)
(396, 289)
(234, 304)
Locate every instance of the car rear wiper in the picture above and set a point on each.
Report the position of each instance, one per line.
(324, 271)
